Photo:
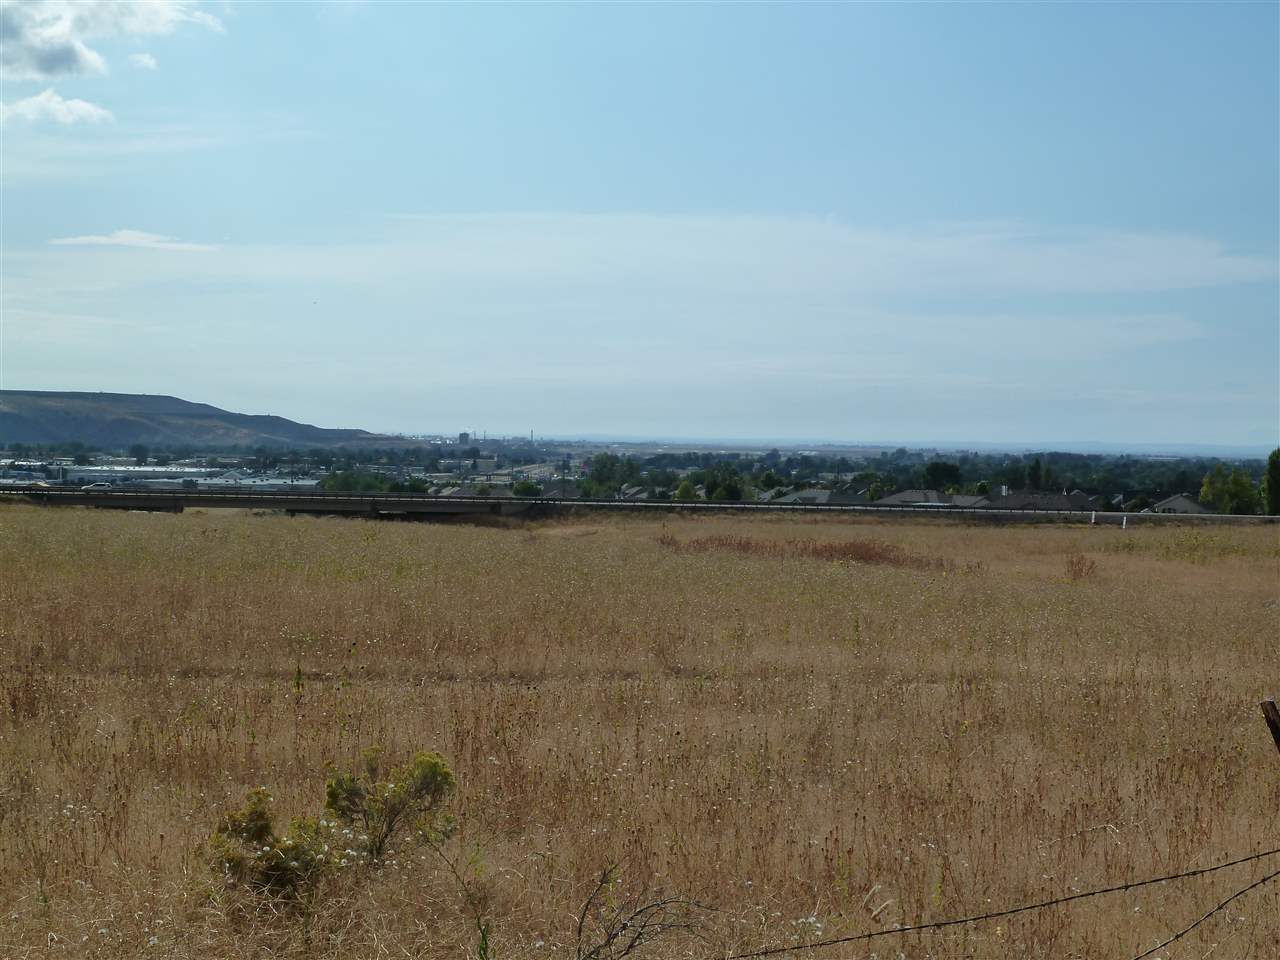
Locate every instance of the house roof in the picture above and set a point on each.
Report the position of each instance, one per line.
(907, 498)
(1178, 503)
(806, 496)
(1030, 500)
(849, 499)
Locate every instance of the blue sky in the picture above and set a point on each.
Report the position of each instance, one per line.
(1022, 223)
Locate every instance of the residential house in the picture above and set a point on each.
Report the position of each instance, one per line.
(1178, 503)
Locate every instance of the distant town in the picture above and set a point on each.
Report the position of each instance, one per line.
(464, 465)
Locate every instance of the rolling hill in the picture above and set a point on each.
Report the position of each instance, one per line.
(117, 420)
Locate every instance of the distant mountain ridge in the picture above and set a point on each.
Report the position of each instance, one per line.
(118, 420)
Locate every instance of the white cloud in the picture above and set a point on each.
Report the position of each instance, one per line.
(786, 256)
(207, 20)
(131, 238)
(48, 154)
(756, 267)
(41, 39)
(143, 61)
(50, 106)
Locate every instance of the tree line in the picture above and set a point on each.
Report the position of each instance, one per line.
(1245, 487)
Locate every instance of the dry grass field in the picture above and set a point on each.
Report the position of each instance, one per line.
(814, 727)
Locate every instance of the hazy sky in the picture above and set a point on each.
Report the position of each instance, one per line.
(1024, 222)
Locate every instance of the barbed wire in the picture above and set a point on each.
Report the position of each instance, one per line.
(1040, 905)
(1187, 929)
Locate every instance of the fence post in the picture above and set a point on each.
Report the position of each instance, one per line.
(1272, 713)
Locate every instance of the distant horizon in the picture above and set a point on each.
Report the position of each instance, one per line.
(949, 446)
(1137, 448)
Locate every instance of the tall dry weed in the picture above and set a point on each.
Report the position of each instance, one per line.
(821, 744)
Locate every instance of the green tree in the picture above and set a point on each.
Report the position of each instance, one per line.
(1013, 476)
(881, 486)
(139, 452)
(938, 475)
(1232, 492)
(525, 488)
(686, 491)
(628, 471)
(770, 480)
(1213, 490)
(722, 482)
(603, 475)
(729, 490)
(659, 481)
(1271, 484)
(1242, 495)
(1035, 474)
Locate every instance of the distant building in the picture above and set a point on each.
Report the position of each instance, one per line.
(1178, 503)
(129, 473)
(464, 439)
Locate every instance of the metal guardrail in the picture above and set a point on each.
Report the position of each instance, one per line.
(319, 501)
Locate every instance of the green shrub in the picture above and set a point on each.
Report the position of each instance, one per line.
(381, 809)
(368, 815)
(250, 852)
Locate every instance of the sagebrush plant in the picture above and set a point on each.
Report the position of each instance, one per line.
(368, 815)
(412, 796)
(249, 851)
